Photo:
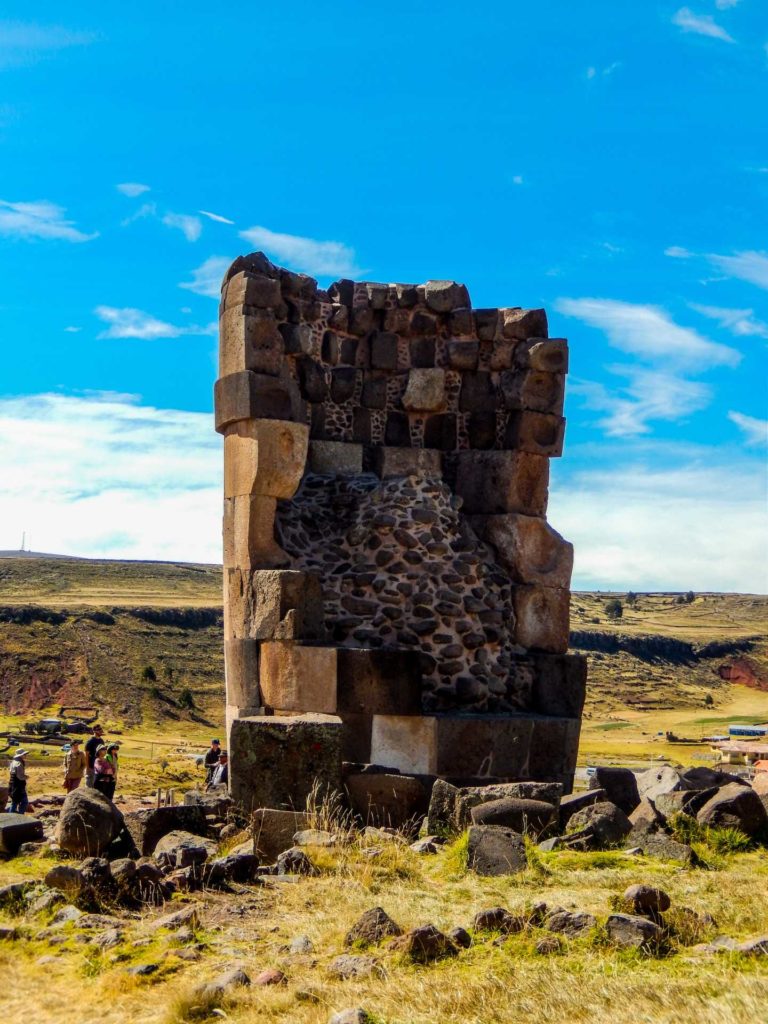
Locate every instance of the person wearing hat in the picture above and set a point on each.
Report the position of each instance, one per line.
(91, 747)
(220, 775)
(113, 749)
(103, 772)
(17, 783)
(211, 760)
(74, 766)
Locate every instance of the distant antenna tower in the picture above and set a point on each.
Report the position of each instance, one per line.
(23, 539)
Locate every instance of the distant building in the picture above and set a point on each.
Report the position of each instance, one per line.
(741, 752)
(748, 730)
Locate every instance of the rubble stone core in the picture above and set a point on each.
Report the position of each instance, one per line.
(388, 567)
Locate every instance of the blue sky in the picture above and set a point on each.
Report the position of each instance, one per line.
(608, 161)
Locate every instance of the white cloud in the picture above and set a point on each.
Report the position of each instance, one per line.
(145, 210)
(723, 5)
(25, 42)
(102, 475)
(650, 333)
(648, 395)
(747, 266)
(700, 24)
(740, 322)
(216, 217)
(517, 179)
(39, 219)
(324, 259)
(188, 225)
(132, 188)
(72, 330)
(206, 279)
(678, 252)
(755, 430)
(651, 523)
(594, 72)
(134, 323)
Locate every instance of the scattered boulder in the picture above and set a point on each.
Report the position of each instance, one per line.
(424, 944)
(548, 945)
(314, 837)
(553, 843)
(620, 785)
(17, 829)
(143, 970)
(124, 871)
(301, 944)
(88, 823)
(524, 816)
(235, 867)
(273, 830)
(630, 932)
(734, 806)
(496, 851)
(272, 976)
(295, 862)
(429, 844)
(683, 801)
(662, 847)
(574, 802)
(226, 983)
(450, 806)
(570, 924)
(148, 826)
(373, 926)
(349, 966)
(109, 938)
(187, 917)
(460, 937)
(656, 781)
(646, 899)
(645, 819)
(755, 947)
(602, 824)
(351, 1016)
(97, 874)
(497, 919)
(183, 849)
(66, 879)
(709, 778)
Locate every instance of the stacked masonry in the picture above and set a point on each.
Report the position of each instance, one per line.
(393, 592)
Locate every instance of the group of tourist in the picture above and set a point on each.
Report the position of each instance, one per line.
(97, 764)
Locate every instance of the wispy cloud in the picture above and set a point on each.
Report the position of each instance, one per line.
(660, 525)
(189, 226)
(700, 24)
(747, 266)
(723, 5)
(206, 279)
(26, 42)
(145, 210)
(677, 252)
(216, 216)
(135, 323)
(740, 322)
(72, 330)
(324, 259)
(755, 430)
(39, 219)
(649, 332)
(604, 72)
(660, 391)
(132, 188)
(104, 475)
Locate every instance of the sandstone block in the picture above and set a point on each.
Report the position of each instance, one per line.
(247, 396)
(295, 677)
(549, 355)
(533, 389)
(542, 617)
(264, 457)
(559, 684)
(444, 296)
(528, 548)
(421, 462)
(387, 800)
(523, 323)
(335, 457)
(356, 737)
(408, 743)
(241, 669)
(249, 341)
(249, 533)
(554, 747)
(274, 605)
(247, 289)
(380, 682)
(535, 432)
(462, 355)
(476, 745)
(273, 830)
(425, 391)
(492, 482)
(275, 762)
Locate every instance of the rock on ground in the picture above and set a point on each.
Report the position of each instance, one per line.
(647, 899)
(620, 785)
(424, 944)
(373, 926)
(88, 823)
(524, 816)
(598, 826)
(17, 829)
(734, 806)
(630, 932)
(496, 851)
(226, 983)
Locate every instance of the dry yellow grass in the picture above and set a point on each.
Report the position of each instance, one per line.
(488, 984)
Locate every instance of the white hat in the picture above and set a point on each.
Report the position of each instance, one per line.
(21, 752)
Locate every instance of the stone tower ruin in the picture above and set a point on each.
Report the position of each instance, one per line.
(393, 593)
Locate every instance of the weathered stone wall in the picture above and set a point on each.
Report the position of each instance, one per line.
(386, 468)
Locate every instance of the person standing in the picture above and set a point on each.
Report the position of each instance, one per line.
(17, 783)
(103, 773)
(211, 760)
(220, 775)
(74, 766)
(113, 750)
(91, 747)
